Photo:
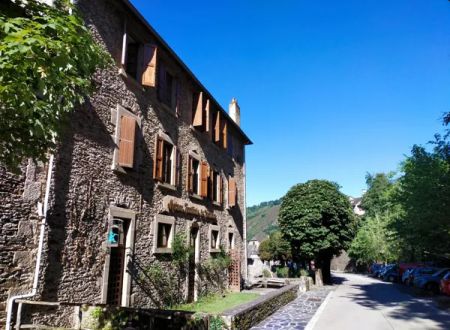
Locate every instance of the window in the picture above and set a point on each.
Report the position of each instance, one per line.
(163, 233)
(166, 167)
(198, 174)
(214, 238)
(125, 138)
(230, 241)
(139, 60)
(169, 88)
(220, 134)
(232, 192)
(215, 190)
(164, 230)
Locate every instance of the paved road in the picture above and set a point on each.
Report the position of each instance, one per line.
(361, 302)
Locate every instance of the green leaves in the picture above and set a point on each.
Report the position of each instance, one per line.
(316, 218)
(47, 58)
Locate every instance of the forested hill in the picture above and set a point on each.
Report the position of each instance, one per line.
(262, 219)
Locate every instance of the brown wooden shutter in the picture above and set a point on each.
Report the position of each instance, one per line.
(231, 192)
(225, 134)
(190, 175)
(126, 141)
(158, 159)
(208, 120)
(149, 65)
(217, 128)
(204, 173)
(198, 112)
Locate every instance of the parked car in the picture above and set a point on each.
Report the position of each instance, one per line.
(386, 269)
(374, 268)
(445, 284)
(431, 282)
(391, 274)
(420, 271)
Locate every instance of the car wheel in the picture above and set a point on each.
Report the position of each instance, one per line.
(391, 279)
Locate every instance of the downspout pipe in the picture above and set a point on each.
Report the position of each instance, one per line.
(33, 292)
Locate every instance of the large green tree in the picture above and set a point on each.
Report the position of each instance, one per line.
(318, 221)
(424, 195)
(47, 59)
(378, 197)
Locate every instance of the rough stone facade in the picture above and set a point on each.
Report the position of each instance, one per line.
(85, 188)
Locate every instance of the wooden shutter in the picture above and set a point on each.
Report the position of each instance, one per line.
(217, 128)
(204, 173)
(149, 65)
(231, 192)
(225, 134)
(208, 120)
(126, 141)
(198, 112)
(190, 175)
(158, 159)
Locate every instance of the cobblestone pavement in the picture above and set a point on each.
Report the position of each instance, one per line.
(297, 313)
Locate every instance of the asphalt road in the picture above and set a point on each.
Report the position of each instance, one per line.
(361, 302)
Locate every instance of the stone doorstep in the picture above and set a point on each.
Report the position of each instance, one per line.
(229, 315)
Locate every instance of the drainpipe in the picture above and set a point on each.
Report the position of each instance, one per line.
(39, 253)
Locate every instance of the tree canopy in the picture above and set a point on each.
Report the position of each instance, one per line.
(275, 248)
(47, 59)
(318, 221)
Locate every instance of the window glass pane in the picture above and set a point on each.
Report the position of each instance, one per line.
(163, 235)
(214, 236)
(167, 163)
(132, 59)
(196, 176)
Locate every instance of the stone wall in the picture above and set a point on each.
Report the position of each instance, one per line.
(19, 230)
(247, 315)
(84, 186)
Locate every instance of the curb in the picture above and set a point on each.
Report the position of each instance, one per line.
(312, 322)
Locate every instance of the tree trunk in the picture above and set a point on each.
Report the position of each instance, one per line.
(326, 271)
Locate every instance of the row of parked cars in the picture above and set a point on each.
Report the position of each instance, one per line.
(423, 276)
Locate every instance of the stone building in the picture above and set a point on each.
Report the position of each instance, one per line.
(150, 157)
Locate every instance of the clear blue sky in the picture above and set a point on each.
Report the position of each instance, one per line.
(327, 89)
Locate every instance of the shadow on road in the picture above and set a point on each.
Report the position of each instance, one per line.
(397, 303)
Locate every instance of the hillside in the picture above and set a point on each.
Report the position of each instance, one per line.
(262, 219)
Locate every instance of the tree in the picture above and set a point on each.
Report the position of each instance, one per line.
(318, 221)
(424, 194)
(377, 198)
(375, 241)
(275, 248)
(47, 59)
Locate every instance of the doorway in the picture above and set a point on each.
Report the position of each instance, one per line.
(194, 239)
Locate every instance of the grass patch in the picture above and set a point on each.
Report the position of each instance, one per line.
(217, 303)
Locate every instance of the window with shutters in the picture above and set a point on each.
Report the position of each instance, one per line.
(232, 192)
(214, 238)
(166, 164)
(125, 138)
(215, 187)
(163, 233)
(139, 60)
(169, 89)
(201, 113)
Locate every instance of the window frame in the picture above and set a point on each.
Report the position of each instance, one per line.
(193, 156)
(216, 248)
(174, 158)
(166, 220)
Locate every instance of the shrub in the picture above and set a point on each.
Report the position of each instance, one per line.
(267, 273)
(283, 272)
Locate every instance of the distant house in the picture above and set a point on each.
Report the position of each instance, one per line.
(356, 205)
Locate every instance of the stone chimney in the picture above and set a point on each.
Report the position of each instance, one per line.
(234, 111)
